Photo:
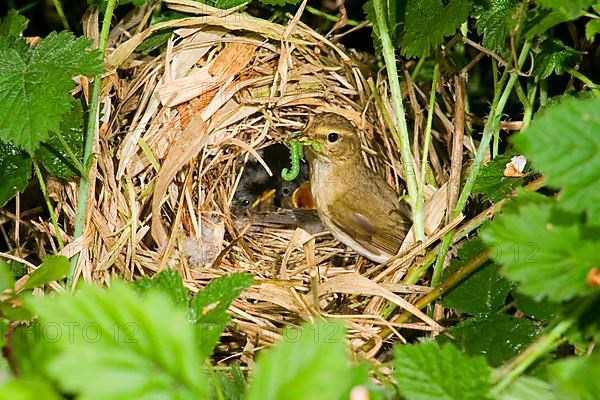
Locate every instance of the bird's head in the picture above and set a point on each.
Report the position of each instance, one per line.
(332, 137)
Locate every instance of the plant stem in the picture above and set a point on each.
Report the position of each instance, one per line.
(38, 174)
(407, 161)
(491, 126)
(588, 82)
(329, 17)
(70, 153)
(61, 14)
(89, 140)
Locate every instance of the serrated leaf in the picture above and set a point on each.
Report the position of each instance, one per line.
(28, 389)
(6, 277)
(592, 28)
(208, 308)
(577, 377)
(53, 268)
(15, 167)
(52, 153)
(570, 8)
(498, 338)
(542, 310)
(121, 345)
(482, 292)
(169, 282)
(428, 22)
(572, 124)
(492, 183)
(555, 57)
(316, 366)
(427, 371)
(34, 85)
(527, 388)
(496, 19)
(547, 255)
(280, 2)
(394, 12)
(13, 24)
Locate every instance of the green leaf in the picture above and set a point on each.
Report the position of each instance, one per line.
(592, 28)
(428, 22)
(53, 268)
(169, 282)
(427, 371)
(572, 124)
(30, 353)
(7, 281)
(547, 255)
(542, 310)
(15, 167)
(527, 388)
(235, 388)
(577, 377)
(208, 308)
(498, 337)
(555, 57)
(482, 292)
(570, 8)
(13, 24)
(34, 85)
(280, 2)
(491, 181)
(311, 363)
(394, 12)
(115, 344)
(53, 155)
(497, 18)
(28, 389)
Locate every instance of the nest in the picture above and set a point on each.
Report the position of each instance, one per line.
(175, 129)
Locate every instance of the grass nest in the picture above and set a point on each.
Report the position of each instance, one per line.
(175, 129)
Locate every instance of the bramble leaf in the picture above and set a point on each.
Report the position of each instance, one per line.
(498, 337)
(316, 366)
(428, 371)
(492, 183)
(34, 85)
(481, 293)
(527, 388)
(496, 19)
(571, 124)
(122, 345)
(15, 167)
(13, 24)
(543, 250)
(577, 377)
(555, 57)
(428, 22)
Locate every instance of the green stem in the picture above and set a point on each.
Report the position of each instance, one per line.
(491, 126)
(418, 67)
(89, 139)
(70, 153)
(329, 17)
(543, 345)
(61, 14)
(588, 82)
(407, 162)
(38, 174)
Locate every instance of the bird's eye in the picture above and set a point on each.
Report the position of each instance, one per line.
(286, 191)
(333, 137)
(245, 202)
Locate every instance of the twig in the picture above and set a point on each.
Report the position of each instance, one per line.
(401, 127)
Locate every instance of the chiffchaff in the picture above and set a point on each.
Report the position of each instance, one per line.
(357, 206)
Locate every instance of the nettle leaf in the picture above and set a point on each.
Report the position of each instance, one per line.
(13, 24)
(498, 337)
(169, 282)
(592, 28)
(53, 268)
(482, 292)
(572, 124)
(577, 377)
(34, 85)
(115, 344)
(309, 363)
(428, 22)
(15, 167)
(543, 250)
(492, 183)
(53, 155)
(208, 308)
(496, 20)
(428, 371)
(555, 57)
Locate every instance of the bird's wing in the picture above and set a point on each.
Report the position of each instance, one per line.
(378, 226)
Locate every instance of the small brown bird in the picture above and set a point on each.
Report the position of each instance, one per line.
(357, 206)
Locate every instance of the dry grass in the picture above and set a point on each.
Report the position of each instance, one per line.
(173, 131)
